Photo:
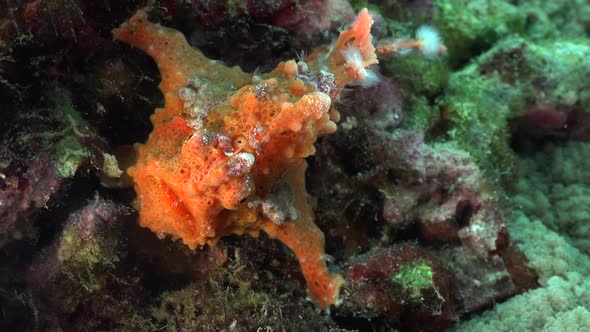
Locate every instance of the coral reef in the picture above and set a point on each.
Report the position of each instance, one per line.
(442, 188)
(563, 298)
(553, 187)
(433, 194)
(502, 88)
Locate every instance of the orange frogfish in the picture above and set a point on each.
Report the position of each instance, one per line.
(227, 152)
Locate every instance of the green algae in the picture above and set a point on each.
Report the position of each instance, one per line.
(417, 74)
(420, 114)
(502, 84)
(70, 151)
(468, 26)
(69, 156)
(414, 278)
(214, 306)
(548, 20)
(476, 110)
(85, 260)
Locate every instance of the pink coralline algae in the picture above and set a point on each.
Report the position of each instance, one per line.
(549, 121)
(28, 193)
(87, 248)
(447, 195)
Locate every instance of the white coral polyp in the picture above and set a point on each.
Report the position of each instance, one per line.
(354, 63)
(431, 43)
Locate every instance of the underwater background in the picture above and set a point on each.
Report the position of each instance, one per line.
(294, 165)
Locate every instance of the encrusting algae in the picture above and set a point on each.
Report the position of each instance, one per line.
(227, 153)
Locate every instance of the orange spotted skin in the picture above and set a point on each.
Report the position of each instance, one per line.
(198, 182)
